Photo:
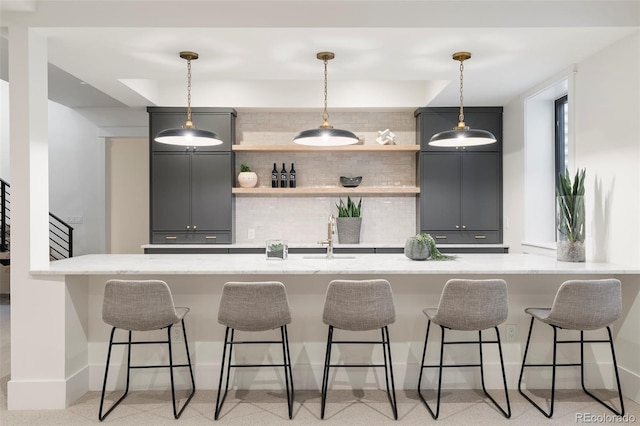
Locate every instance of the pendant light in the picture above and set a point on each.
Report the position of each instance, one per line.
(462, 135)
(188, 134)
(325, 135)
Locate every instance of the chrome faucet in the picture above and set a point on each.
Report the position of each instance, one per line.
(331, 230)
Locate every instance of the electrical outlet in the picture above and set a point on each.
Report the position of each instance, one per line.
(251, 233)
(176, 334)
(511, 331)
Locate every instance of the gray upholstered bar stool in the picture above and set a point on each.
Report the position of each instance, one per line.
(468, 305)
(582, 305)
(359, 306)
(146, 305)
(254, 307)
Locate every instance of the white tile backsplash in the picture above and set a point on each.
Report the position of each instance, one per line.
(303, 219)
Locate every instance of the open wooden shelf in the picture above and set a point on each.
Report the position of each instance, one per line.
(365, 190)
(302, 148)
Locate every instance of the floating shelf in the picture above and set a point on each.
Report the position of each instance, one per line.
(301, 148)
(380, 190)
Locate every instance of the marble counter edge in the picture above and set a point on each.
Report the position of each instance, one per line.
(256, 264)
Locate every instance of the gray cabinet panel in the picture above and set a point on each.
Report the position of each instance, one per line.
(480, 199)
(460, 188)
(170, 201)
(211, 191)
(439, 195)
(191, 200)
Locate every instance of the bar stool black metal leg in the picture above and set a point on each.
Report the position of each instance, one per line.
(193, 381)
(386, 348)
(507, 413)
(173, 387)
(219, 400)
(178, 412)
(101, 416)
(615, 369)
(287, 366)
(325, 376)
(553, 371)
(437, 412)
(422, 367)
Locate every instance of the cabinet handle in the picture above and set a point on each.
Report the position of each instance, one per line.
(441, 237)
(457, 227)
(480, 237)
(195, 227)
(188, 227)
(194, 149)
(210, 237)
(186, 149)
(170, 238)
(464, 226)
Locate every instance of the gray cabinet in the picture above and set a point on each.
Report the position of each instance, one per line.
(191, 200)
(460, 189)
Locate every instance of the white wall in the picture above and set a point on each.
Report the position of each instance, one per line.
(606, 142)
(5, 164)
(76, 176)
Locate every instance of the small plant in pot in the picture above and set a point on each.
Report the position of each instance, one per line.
(349, 221)
(423, 247)
(571, 217)
(247, 178)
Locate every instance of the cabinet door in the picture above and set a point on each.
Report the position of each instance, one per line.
(481, 201)
(211, 183)
(170, 198)
(222, 124)
(439, 191)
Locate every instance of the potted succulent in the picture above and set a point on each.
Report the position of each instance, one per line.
(349, 221)
(423, 247)
(571, 217)
(247, 178)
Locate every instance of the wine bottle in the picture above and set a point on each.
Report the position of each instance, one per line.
(274, 176)
(283, 177)
(292, 177)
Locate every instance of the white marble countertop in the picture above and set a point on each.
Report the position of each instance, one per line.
(313, 245)
(210, 264)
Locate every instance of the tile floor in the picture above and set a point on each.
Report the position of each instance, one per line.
(370, 407)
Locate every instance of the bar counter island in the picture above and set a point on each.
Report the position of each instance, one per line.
(59, 353)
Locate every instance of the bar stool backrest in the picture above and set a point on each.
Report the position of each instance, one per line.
(254, 306)
(473, 304)
(359, 305)
(586, 304)
(138, 305)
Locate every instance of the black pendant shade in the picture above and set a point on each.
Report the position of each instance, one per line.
(188, 135)
(468, 137)
(462, 135)
(325, 135)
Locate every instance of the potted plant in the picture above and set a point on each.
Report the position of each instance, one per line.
(349, 221)
(247, 178)
(570, 217)
(423, 247)
(277, 249)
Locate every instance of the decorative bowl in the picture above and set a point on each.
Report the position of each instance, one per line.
(350, 182)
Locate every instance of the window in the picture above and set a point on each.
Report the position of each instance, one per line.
(562, 135)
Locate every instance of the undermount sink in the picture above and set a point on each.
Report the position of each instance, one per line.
(324, 256)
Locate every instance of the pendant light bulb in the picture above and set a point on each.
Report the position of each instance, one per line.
(188, 134)
(325, 135)
(462, 135)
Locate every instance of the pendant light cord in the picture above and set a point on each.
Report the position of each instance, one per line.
(325, 114)
(189, 122)
(461, 115)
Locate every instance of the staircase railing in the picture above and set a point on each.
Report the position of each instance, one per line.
(60, 232)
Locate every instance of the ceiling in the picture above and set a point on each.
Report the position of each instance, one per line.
(261, 53)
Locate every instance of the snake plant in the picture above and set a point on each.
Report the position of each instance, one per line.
(571, 205)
